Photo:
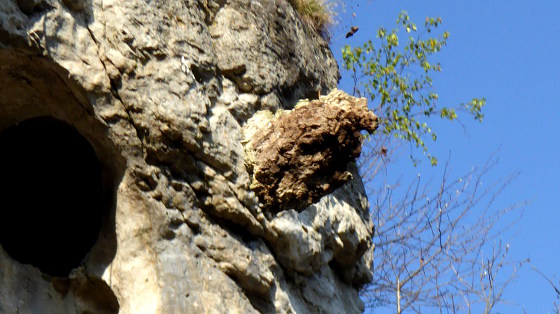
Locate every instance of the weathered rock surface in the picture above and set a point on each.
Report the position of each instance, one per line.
(161, 91)
(302, 155)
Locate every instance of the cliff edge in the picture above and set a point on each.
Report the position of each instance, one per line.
(128, 185)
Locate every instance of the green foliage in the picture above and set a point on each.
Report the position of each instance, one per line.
(398, 77)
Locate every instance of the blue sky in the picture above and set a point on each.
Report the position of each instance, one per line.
(507, 52)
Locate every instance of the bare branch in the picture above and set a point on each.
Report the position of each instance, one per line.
(430, 248)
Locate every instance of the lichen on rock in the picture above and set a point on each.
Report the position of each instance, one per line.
(297, 156)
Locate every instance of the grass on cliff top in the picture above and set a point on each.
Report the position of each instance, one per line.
(316, 13)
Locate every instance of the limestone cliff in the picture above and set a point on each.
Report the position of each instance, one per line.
(125, 185)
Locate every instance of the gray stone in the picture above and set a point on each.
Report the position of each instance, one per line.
(28, 6)
(162, 92)
(75, 5)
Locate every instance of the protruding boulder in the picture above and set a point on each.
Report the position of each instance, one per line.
(297, 156)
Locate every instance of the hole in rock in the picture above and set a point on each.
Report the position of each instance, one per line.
(50, 195)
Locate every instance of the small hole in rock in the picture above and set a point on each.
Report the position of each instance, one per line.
(50, 192)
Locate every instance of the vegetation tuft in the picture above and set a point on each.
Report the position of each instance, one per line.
(316, 13)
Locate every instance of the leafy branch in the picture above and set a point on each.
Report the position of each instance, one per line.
(398, 78)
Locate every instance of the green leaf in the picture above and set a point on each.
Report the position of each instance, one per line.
(398, 79)
(433, 161)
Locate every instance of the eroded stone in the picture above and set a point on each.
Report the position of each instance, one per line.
(298, 156)
(162, 92)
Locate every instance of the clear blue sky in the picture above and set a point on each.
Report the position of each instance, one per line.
(509, 53)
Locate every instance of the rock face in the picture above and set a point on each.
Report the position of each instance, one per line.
(161, 92)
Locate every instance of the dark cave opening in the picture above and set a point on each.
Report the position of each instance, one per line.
(51, 191)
